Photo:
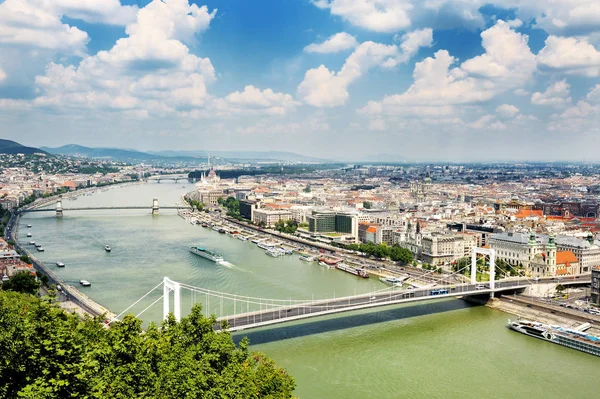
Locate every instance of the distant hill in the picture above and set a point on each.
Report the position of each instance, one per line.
(245, 155)
(12, 147)
(128, 155)
(116, 154)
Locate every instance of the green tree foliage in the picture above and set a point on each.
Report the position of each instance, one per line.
(286, 226)
(22, 282)
(402, 255)
(233, 207)
(198, 205)
(4, 218)
(462, 265)
(367, 204)
(47, 353)
(395, 253)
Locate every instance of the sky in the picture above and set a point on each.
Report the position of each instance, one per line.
(388, 80)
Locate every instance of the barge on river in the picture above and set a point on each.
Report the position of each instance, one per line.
(352, 270)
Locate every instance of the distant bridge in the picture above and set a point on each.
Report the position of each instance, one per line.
(59, 208)
(175, 178)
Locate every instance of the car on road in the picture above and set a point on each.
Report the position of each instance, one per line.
(480, 287)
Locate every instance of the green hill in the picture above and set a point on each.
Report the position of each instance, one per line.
(12, 147)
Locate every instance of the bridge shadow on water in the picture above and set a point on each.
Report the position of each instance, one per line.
(342, 321)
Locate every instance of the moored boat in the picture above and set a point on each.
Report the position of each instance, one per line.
(265, 245)
(274, 252)
(107, 248)
(242, 237)
(28, 226)
(306, 258)
(205, 253)
(328, 266)
(559, 335)
(40, 249)
(352, 270)
(392, 280)
(60, 264)
(31, 242)
(85, 283)
(28, 234)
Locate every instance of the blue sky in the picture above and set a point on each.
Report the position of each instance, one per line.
(446, 80)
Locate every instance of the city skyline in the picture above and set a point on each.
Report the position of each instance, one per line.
(450, 80)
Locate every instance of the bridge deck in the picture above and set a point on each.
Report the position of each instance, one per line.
(346, 304)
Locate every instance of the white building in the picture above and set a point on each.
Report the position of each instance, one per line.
(270, 217)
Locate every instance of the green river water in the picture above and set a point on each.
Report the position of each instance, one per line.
(443, 349)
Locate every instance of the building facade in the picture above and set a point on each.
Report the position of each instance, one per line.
(332, 222)
(532, 252)
(269, 217)
(596, 285)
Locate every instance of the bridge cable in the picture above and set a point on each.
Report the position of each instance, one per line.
(152, 304)
(136, 302)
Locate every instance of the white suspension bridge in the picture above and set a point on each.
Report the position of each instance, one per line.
(243, 312)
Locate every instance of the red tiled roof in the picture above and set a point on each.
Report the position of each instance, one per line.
(565, 258)
(523, 213)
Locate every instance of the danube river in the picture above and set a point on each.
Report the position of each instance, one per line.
(445, 349)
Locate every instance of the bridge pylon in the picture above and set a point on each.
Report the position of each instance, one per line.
(59, 209)
(168, 286)
(155, 206)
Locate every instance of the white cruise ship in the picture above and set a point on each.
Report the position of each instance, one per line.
(206, 254)
(274, 252)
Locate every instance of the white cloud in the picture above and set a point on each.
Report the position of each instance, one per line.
(570, 55)
(254, 101)
(375, 15)
(507, 56)
(410, 43)
(487, 122)
(515, 23)
(507, 110)
(106, 11)
(439, 86)
(25, 24)
(565, 17)
(556, 95)
(594, 95)
(336, 43)
(581, 117)
(560, 16)
(324, 88)
(151, 69)
(2, 75)
(395, 15)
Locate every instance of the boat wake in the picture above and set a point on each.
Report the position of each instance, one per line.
(226, 264)
(230, 265)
